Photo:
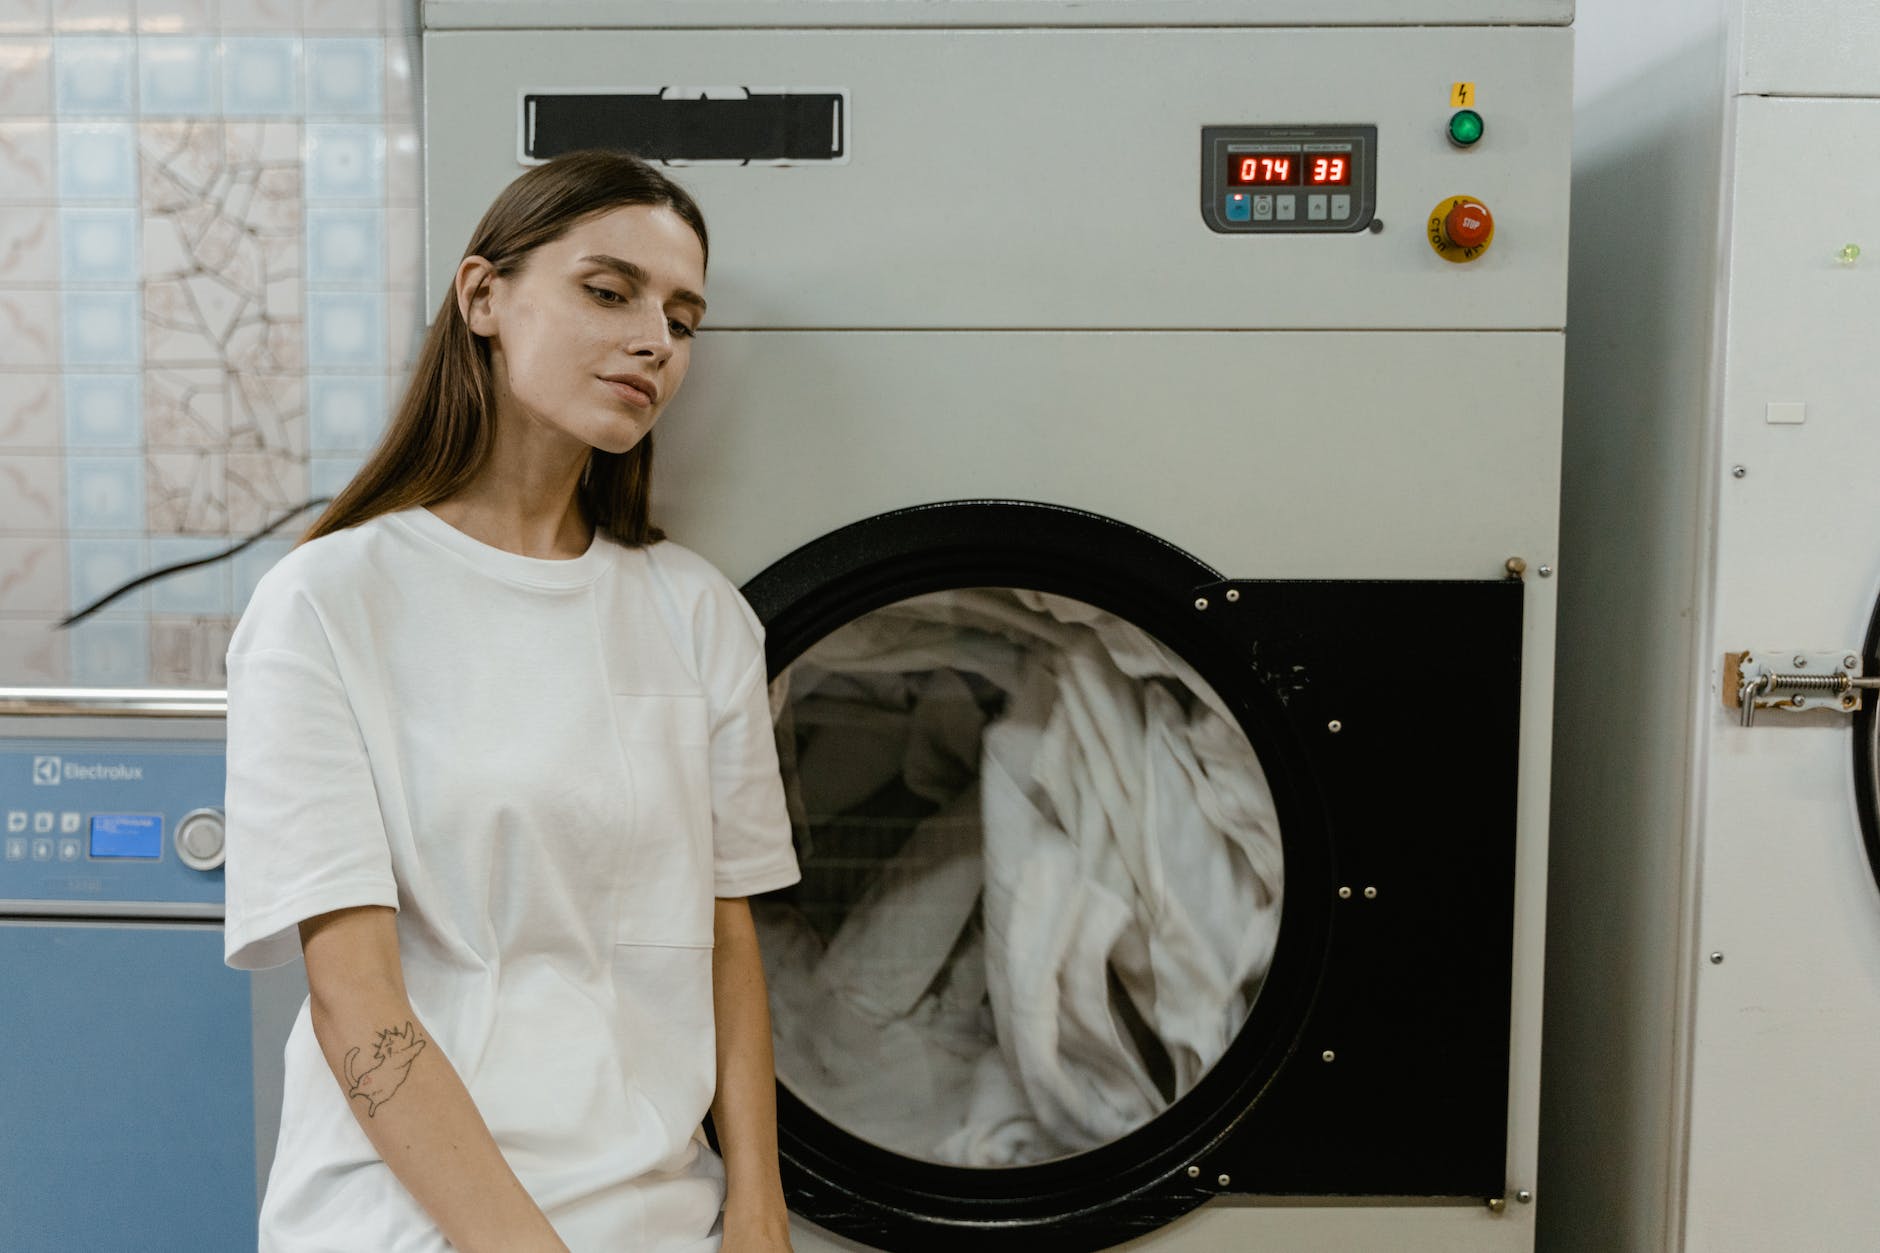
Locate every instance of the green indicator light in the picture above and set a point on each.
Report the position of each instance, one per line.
(1465, 128)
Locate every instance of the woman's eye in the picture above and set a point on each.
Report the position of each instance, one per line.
(681, 329)
(606, 296)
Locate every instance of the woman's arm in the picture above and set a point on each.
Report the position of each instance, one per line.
(745, 1109)
(405, 1093)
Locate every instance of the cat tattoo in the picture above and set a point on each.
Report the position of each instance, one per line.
(394, 1053)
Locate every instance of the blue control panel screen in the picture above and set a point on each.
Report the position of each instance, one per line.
(127, 835)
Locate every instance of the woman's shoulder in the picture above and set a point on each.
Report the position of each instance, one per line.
(686, 570)
(703, 605)
(309, 583)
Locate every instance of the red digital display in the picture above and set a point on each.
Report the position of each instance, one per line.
(1328, 169)
(1270, 170)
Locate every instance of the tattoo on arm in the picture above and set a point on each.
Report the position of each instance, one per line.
(392, 1055)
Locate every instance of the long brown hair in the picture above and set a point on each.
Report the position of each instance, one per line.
(444, 428)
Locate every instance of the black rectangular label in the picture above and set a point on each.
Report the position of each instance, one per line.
(758, 127)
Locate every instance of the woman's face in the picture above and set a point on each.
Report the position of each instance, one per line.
(592, 336)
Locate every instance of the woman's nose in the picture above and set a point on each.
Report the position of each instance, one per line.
(648, 333)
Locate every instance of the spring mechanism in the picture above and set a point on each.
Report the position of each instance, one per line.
(1773, 683)
(1792, 685)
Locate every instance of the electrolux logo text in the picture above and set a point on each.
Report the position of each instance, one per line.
(50, 771)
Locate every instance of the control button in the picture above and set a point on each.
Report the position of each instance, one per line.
(16, 849)
(1461, 229)
(69, 824)
(16, 819)
(42, 850)
(70, 850)
(1468, 224)
(1239, 206)
(200, 837)
(1341, 208)
(1263, 208)
(1466, 128)
(1315, 208)
(42, 822)
(1284, 207)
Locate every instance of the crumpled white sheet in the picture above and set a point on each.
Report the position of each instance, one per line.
(1108, 837)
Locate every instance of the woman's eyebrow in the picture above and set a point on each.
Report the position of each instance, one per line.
(633, 273)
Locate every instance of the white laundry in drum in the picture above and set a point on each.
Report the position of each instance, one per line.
(1042, 878)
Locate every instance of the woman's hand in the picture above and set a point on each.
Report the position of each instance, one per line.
(754, 1225)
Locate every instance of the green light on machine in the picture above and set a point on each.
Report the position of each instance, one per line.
(1465, 128)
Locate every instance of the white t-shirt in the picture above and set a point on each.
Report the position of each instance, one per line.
(550, 768)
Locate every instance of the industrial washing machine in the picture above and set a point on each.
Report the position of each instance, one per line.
(1780, 969)
(1138, 427)
(143, 1087)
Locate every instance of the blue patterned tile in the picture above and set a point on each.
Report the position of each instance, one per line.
(345, 76)
(345, 412)
(103, 328)
(260, 76)
(346, 330)
(328, 476)
(345, 247)
(104, 493)
(104, 411)
(94, 75)
(99, 565)
(97, 161)
(254, 561)
(345, 161)
(177, 77)
(99, 245)
(110, 653)
(204, 590)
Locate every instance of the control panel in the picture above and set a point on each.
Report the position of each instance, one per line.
(90, 823)
(1288, 179)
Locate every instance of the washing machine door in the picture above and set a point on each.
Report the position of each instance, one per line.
(1125, 885)
(1867, 750)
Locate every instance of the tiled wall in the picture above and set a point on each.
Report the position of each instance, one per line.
(209, 274)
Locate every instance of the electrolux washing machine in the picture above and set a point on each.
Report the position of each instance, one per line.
(1138, 426)
(143, 1086)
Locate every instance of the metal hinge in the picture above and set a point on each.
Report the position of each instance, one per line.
(1794, 681)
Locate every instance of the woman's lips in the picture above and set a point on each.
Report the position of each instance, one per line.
(635, 395)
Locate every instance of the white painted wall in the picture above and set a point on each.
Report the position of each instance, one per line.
(1649, 106)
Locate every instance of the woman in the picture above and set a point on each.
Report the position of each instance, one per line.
(500, 763)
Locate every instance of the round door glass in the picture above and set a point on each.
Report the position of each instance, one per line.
(1041, 878)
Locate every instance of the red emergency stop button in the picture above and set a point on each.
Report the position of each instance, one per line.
(1461, 228)
(1469, 224)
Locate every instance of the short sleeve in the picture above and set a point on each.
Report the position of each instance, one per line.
(752, 850)
(305, 834)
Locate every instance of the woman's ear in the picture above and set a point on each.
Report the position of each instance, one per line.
(472, 286)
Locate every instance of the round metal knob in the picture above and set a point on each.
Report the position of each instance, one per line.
(200, 839)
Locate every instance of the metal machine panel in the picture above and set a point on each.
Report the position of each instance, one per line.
(987, 115)
(1806, 48)
(128, 1114)
(1302, 456)
(96, 829)
(1787, 946)
(475, 14)
(156, 1125)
